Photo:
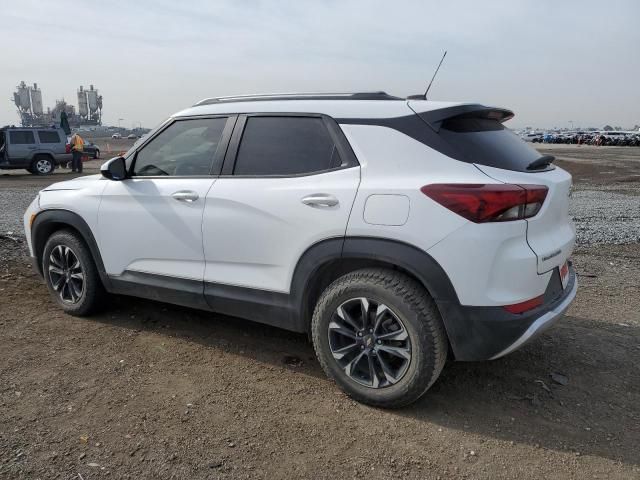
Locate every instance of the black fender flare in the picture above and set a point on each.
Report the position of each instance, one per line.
(407, 257)
(48, 221)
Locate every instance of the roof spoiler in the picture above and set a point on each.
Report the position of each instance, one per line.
(435, 118)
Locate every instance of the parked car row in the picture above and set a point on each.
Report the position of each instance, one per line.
(599, 139)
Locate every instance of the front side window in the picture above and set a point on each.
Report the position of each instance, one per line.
(184, 148)
(48, 136)
(285, 146)
(21, 137)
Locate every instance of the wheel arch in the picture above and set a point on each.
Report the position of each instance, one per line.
(325, 261)
(48, 222)
(41, 153)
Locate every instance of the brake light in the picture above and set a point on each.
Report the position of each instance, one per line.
(67, 148)
(524, 306)
(488, 202)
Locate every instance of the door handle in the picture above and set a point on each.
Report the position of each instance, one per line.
(188, 196)
(323, 200)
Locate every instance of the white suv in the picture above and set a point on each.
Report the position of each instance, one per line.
(395, 232)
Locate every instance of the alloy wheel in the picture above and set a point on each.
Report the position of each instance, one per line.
(66, 274)
(43, 166)
(369, 342)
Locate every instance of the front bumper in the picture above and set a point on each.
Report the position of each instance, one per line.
(487, 333)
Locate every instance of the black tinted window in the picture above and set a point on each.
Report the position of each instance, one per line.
(48, 136)
(21, 137)
(285, 146)
(487, 142)
(186, 147)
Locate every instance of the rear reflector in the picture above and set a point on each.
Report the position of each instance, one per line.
(524, 306)
(488, 202)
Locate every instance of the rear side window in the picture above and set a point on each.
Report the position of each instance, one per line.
(48, 136)
(184, 148)
(21, 137)
(486, 141)
(285, 146)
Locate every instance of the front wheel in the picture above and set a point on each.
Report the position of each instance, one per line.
(71, 274)
(379, 335)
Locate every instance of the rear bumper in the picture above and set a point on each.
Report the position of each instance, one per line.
(545, 321)
(487, 333)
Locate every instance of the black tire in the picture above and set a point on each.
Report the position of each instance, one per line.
(411, 304)
(42, 165)
(96, 155)
(91, 295)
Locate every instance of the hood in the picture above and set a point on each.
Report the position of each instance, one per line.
(74, 184)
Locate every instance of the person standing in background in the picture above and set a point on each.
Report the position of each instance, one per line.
(77, 147)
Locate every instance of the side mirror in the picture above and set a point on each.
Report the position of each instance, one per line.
(114, 169)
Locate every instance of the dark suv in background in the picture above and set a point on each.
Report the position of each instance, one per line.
(39, 150)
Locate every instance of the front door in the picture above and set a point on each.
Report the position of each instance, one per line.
(150, 225)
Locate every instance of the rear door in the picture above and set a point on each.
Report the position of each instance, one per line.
(288, 181)
(51, 142)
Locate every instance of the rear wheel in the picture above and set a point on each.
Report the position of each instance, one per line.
(42, 165)
(379, 335)
(71, 274)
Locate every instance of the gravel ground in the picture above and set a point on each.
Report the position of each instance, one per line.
(14, 202)
(605, 217)
(152, 391)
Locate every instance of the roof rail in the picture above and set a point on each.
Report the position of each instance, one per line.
(298, 96)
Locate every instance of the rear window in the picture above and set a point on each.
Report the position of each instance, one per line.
(21, 137)
(48, 136)
(486, 141)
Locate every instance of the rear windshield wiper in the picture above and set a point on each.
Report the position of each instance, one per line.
(542, 162)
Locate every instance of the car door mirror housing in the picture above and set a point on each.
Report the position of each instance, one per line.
(114, 169)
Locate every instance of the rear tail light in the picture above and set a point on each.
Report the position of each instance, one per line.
(488, 202)
(67, 148)
(524, 306)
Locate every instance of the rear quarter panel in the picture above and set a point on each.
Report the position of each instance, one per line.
(488, 264)
(551, 232)
(394, 164)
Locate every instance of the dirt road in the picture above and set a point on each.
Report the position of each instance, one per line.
(146, 390)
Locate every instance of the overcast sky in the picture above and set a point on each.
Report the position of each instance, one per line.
(550, 61)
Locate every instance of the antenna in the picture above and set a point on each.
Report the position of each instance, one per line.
(434, 74)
